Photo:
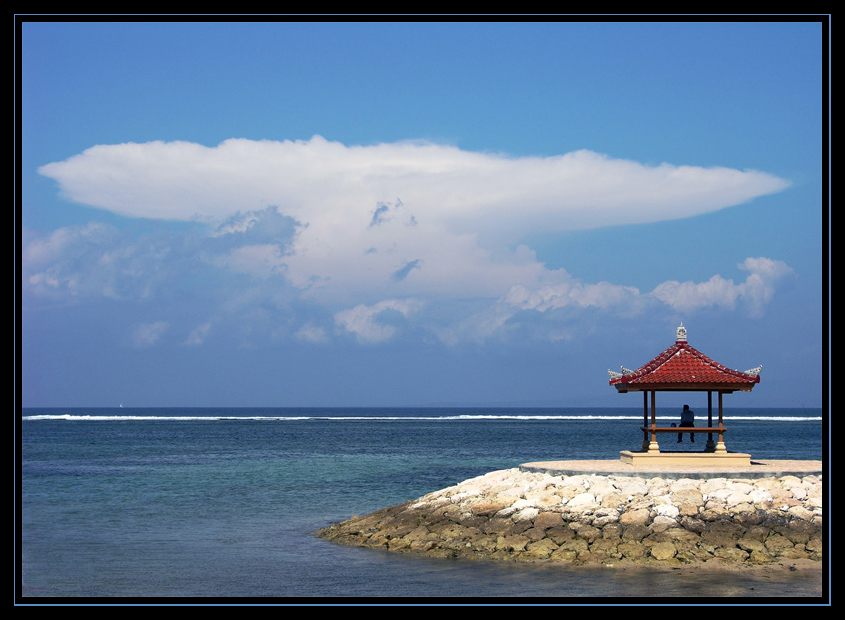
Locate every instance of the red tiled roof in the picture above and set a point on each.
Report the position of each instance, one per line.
(681, 366)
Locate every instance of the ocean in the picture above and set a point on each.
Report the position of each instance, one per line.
(200, 505)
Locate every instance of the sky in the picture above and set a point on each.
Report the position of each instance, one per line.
(378, 214)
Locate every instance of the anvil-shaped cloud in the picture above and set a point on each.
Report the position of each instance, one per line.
(394, 227)
(442, 217)
(318, 180)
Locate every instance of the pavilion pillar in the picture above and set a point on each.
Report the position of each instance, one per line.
(720, 447)
(644, 447)
(652, 446)
(710, 445)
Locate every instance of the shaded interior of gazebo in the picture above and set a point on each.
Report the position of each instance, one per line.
(682, 368)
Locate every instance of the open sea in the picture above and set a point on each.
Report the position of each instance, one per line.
(220, 506)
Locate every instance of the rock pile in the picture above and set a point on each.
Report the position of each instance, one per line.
(525, 516)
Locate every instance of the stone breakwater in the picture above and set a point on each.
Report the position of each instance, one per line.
(602, 519)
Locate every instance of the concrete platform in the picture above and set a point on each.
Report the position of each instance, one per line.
(758, 468)
(686, 459)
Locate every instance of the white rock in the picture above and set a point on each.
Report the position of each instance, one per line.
(760, 496)
(738, 498)
(661, 523)
(632, 487)
(667, 510)
(712, 485)
(740, 487)
(526, 514)
(799, 492)
(581, 500)
(514, 491)
(522, 503)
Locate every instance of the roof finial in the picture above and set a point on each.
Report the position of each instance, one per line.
(682, 333)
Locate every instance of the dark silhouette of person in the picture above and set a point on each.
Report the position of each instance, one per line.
(687, 421)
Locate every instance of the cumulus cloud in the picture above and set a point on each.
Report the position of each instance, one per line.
(378, 236)
(754, 293)
(262, 260)
(77, 262)
(571, 293)
(376, 323)
(363, 213)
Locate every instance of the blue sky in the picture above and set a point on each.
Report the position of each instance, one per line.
(403, 214)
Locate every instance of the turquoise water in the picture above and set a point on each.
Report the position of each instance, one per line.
(150, 503)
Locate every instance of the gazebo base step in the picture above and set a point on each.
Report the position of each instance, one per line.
(692, 459)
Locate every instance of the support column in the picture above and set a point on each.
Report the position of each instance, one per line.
(652, 446)
(710, 447)
(644, 447)
(720, 447)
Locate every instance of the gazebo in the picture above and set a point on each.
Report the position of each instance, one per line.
(682, 368)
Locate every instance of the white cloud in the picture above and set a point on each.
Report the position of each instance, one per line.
(367, 322)
(263, 260)
(570, 293)
(147, 334)
(323, 181)
(755, 292)
(393, 233)
(478, 326)
(198, 334)
(76, 262)
(311, 333)
(364, 213)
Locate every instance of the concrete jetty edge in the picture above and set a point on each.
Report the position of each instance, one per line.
(759, 468)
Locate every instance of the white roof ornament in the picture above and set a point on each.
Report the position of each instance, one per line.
(616, 375)
(682, 333)
(754, 371)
